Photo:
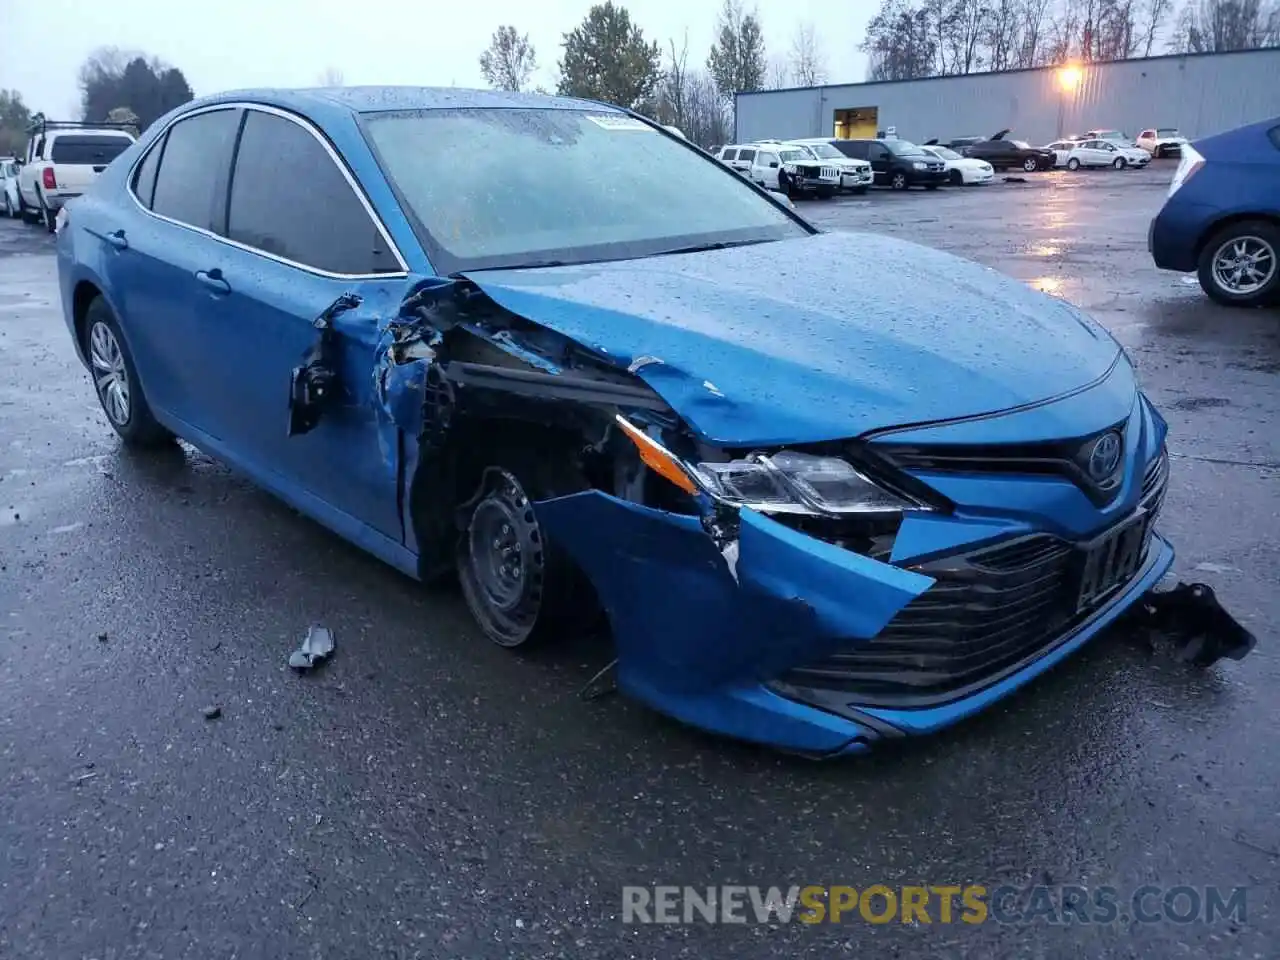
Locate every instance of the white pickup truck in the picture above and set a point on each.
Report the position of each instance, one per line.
(62, 160)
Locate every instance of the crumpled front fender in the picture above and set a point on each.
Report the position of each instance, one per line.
(687, 619)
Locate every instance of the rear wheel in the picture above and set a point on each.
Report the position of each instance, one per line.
(1240, 265)
(1073, 164)
(48, 216)
(1120, 163)
(518, 586)
(115, 380)
(898, 181)
(27, 214)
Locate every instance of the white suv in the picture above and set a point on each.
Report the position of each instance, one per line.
(792, 170)
(856, 175)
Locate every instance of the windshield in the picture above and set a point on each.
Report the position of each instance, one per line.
(519, 187)
(824, 151)
(903, 148)
(80, 148)
(1021, 144)
(790, 156)
(946, 153)
(1167, 132)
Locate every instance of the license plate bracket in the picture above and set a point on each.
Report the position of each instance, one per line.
(1111, 559)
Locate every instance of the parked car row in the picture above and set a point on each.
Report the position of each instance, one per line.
(1095, 148)
(825, 166)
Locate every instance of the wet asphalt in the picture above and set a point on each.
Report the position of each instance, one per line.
(426, 794)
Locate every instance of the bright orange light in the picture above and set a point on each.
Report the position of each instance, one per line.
(1069, 78)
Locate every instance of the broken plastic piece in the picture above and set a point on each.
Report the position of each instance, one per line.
(1191, 615)
(316, 645)
(603, 683)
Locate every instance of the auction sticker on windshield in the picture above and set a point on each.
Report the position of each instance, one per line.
(617, 122)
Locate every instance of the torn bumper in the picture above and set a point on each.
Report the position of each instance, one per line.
(710, 637)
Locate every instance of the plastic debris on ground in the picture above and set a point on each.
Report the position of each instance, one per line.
(316, 646)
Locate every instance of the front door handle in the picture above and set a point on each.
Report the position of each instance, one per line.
(213, 280)
(118, 240)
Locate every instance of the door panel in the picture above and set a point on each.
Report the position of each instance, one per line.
(257, 334)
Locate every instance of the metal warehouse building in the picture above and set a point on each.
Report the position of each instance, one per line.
(1201, 94)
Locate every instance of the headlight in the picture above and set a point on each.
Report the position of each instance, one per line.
(789, 482)
(784, 482)
(917, 165)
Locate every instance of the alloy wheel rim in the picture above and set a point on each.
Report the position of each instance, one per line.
(1244, 265)
(110, 377)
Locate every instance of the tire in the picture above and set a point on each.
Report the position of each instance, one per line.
(1120, 163)
(26, 213)
(898, 181)
(826, 193)
(1031, 164)
(957, 178)
(518, 586)
(8, 207)
(48, 217)
(111, 364)
(1258, 236)
(1073, 164)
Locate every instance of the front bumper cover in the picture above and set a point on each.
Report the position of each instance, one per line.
(703, 634)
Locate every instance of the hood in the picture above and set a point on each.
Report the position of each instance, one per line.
(816, 338)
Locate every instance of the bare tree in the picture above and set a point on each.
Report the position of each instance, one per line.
(1002, 33)
(1031, 50)
(779, 77)
(966, 27)
(330, 77)
(509, 60)
(808, 66)
(1207, 26)
(1151, 18)
(900, 43)
(673, 106)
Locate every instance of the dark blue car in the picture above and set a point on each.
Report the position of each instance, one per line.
(1222, 216)
(546, 345)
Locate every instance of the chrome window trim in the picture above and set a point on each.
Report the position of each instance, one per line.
(333, 156)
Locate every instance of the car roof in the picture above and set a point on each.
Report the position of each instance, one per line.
(381, 99)
(1250, 142)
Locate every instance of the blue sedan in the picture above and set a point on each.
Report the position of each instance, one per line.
(549, 347)
(1222, 216)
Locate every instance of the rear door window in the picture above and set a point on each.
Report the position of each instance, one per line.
(729, 155)
(746, 156)
(87, 149)
(290, 199)
(191, 183)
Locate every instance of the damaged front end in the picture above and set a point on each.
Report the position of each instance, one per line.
(816, 598)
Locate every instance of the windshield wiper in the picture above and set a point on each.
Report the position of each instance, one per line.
(717, 245)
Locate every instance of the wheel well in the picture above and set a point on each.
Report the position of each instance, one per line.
(1219, 225)
(449, 476)
(84, 294)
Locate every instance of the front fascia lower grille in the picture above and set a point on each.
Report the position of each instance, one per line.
(989, 611)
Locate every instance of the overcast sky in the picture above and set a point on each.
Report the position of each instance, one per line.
(226, 44)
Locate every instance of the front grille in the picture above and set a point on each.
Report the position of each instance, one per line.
(1063, 458)
(989, 611)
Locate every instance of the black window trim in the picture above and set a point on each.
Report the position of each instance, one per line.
(225, 179)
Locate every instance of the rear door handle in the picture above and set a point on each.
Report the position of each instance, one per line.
(117, 239)
(213, 280)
